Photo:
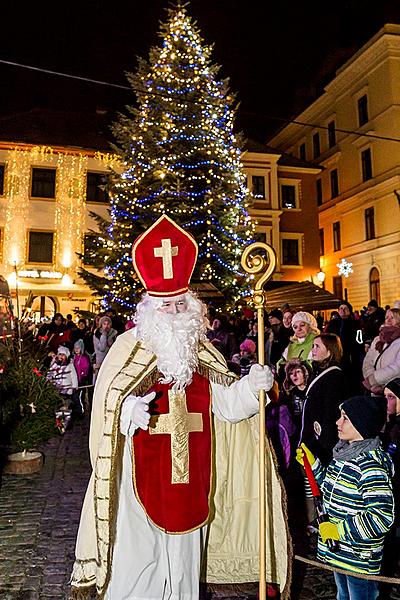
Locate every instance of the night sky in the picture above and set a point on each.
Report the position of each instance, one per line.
(277, 54)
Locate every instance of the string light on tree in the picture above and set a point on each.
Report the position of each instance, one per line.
(345, 267)
(178, 155)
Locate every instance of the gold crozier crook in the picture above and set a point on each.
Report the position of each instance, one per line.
(255, 264)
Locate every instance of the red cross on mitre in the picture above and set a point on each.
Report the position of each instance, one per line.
(164, 257)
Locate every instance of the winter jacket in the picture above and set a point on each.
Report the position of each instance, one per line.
(324, 394)
(380, 368)
(299, 348)
(63, 377)
(358, 498)
(102, 342)
(82, 367)
(275, 344)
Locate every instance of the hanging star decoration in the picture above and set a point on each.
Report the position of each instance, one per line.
(345, 267)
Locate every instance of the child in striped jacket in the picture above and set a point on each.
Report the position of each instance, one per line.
(357, 497)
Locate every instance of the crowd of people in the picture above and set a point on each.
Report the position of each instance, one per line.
(75, 352)
(317, 366)
(173, 493)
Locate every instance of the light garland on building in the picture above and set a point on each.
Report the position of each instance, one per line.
(70, 208)
(69, 202)
(18, 173)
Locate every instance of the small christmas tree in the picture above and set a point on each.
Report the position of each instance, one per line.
(179, 156)
(29, 401)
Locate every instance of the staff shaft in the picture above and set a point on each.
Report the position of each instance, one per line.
(261, 478)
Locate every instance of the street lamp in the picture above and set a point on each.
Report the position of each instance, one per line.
(16, 287)
(321, 277)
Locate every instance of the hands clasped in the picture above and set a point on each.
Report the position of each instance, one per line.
(260, 378)
(135, 413)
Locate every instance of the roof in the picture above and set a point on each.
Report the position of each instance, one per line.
(86, 130)
(206, 291)
(302, 295)
(284, 160)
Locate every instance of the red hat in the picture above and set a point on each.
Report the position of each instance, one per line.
(164, 257)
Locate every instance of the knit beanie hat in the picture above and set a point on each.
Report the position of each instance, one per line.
(305, 317)
(63, 350)
(275, 312)
(394, 386)
(104, 319)
(248, 346)
(80, 344)
(367, 414)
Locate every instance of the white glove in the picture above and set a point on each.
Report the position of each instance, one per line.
(135, 413)
(260, 378)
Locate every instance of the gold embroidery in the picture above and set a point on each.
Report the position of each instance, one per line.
(178, 423)
(166, 252)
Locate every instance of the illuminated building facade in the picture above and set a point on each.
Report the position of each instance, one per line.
(51, 179)
(351, 132)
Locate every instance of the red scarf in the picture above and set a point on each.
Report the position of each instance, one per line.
(387, 335)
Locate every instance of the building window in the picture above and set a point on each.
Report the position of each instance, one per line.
(369, 216)
(258, 185)
(94, 184)
(316, 145)
(318, 184)
(337, 243)
(290, 252)
(331, 134)
(40, 248)
(43, 183)
(334, 183)
(362, 105)
(288, 196)
(337, 286)
(321, 242)
(2, 172)
(375, 285)
(302, 151)
(366, 164)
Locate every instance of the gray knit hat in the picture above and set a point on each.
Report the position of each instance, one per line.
(79, 344)
(104, 319)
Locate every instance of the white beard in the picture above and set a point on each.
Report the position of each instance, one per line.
(173, 338)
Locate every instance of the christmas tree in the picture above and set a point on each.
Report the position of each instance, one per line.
(28, 401)
(179, 156)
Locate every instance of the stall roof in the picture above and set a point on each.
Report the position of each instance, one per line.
(300, 295)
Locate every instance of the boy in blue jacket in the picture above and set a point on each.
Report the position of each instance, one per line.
(357, 497)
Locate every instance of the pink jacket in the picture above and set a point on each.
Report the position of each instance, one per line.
(82, 367)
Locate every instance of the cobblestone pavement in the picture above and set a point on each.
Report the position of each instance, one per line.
(39, 516)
